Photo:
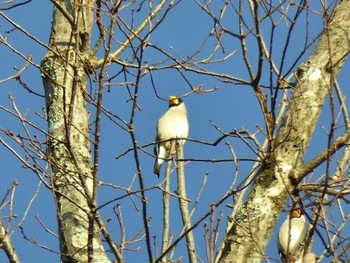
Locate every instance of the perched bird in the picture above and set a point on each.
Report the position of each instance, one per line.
(291, 234)
(172, 124)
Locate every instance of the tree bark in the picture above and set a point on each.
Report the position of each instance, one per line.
(6, 245)
(183, 203)
(64, 78)
(250, 233)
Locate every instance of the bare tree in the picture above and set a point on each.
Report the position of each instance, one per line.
(287, 54)
(283, 168)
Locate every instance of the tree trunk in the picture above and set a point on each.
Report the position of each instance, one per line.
(64, 79)
(252, 228)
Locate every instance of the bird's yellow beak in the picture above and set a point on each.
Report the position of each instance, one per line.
(173, 101)
(296, 212)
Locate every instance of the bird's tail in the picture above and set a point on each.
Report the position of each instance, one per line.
(156, 167)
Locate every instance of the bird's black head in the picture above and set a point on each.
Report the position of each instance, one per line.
(297, 212)
(174, 101)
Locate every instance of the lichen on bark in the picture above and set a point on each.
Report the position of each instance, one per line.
(64, 80)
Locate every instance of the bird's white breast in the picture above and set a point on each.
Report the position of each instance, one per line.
(291, 232)
(173, 124)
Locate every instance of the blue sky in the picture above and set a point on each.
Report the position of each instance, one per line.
(231, 106)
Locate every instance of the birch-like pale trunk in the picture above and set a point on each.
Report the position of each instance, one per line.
(183, 203)
(64, 78)
(252, 228)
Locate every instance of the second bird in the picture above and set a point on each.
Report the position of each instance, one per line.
(291, 235)
(172, 124)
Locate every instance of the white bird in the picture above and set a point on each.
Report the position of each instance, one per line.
(291, 234)
(172, 124)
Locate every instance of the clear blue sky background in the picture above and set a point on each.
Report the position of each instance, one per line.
(231, 106)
